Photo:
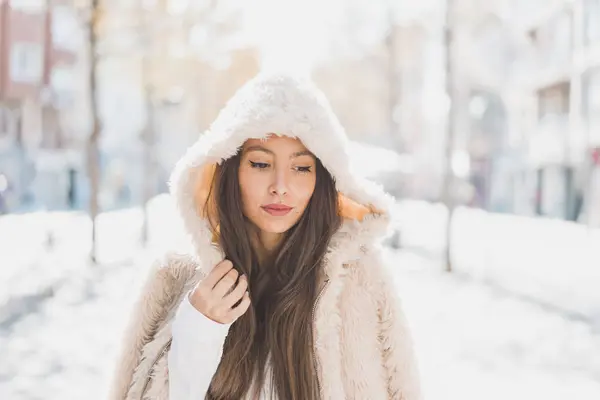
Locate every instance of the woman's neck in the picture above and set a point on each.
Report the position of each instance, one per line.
(267, 243)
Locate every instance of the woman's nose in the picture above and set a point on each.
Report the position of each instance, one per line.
(279, 186)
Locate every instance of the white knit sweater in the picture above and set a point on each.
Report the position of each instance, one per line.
(195, 354)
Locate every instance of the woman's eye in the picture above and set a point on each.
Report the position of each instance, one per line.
(259, 165)
(303, 169)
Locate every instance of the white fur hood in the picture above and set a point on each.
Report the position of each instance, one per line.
(282, 105)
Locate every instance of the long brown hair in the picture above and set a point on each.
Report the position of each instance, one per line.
(278, 326)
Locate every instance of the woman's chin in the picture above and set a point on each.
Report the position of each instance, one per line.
(275, 226)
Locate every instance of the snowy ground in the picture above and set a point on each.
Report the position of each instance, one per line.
(477, 341)
(60, 318)
(551, 261)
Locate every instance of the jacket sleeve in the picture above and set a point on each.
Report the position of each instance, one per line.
(398, 352)
(164, 283)
(195, 353)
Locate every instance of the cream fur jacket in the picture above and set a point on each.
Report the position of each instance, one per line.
(362, 341)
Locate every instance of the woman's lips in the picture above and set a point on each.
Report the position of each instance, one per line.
(277, 210)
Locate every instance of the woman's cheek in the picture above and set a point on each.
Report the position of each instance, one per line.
(250, 179)
(305, 189)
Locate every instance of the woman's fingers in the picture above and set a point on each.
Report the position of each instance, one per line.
(238, 311)
(219, 297)
(226, 283)
(237, 293)
(217, 273)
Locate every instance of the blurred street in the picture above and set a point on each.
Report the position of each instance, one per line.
(59, 330)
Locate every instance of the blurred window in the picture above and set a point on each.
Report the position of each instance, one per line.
(4, 123)
(64, 28)
(8, 123)
(52, 137)
(554, 100)
(554, 39)
(32, 6)
(592, 21)
(62, 81)
(591, 100)
(26, 62)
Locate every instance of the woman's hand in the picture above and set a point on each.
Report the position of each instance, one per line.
(215, 296)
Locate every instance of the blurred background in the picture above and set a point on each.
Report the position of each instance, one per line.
(481, 117)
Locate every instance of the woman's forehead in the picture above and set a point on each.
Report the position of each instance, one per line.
(276, 144)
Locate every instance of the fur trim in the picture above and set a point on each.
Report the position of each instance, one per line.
(168, 277)
(397, 348)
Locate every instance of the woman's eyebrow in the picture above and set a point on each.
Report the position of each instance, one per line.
(258, 148)
(302, 153)
(265, 150)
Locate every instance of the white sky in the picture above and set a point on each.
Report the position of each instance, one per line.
(291, 34)
(296, 34)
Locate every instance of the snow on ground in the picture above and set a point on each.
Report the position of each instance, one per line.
(553, 261)
(60, 317)
(475, 341)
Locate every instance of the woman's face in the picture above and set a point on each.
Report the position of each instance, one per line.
(277, 179)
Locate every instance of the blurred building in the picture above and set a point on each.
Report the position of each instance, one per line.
(165, 70)
(564, 94)
(526, 90)
(35, 101)
(389, 92)
(526, 87)
(487, 129)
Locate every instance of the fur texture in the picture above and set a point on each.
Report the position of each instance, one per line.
(362, 342)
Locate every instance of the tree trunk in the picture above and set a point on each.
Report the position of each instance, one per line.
(393, 84)
(149, 134)
(448, 189)
(149, 169)
(92, 148)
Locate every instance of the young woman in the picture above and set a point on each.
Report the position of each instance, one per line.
(285, 296)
